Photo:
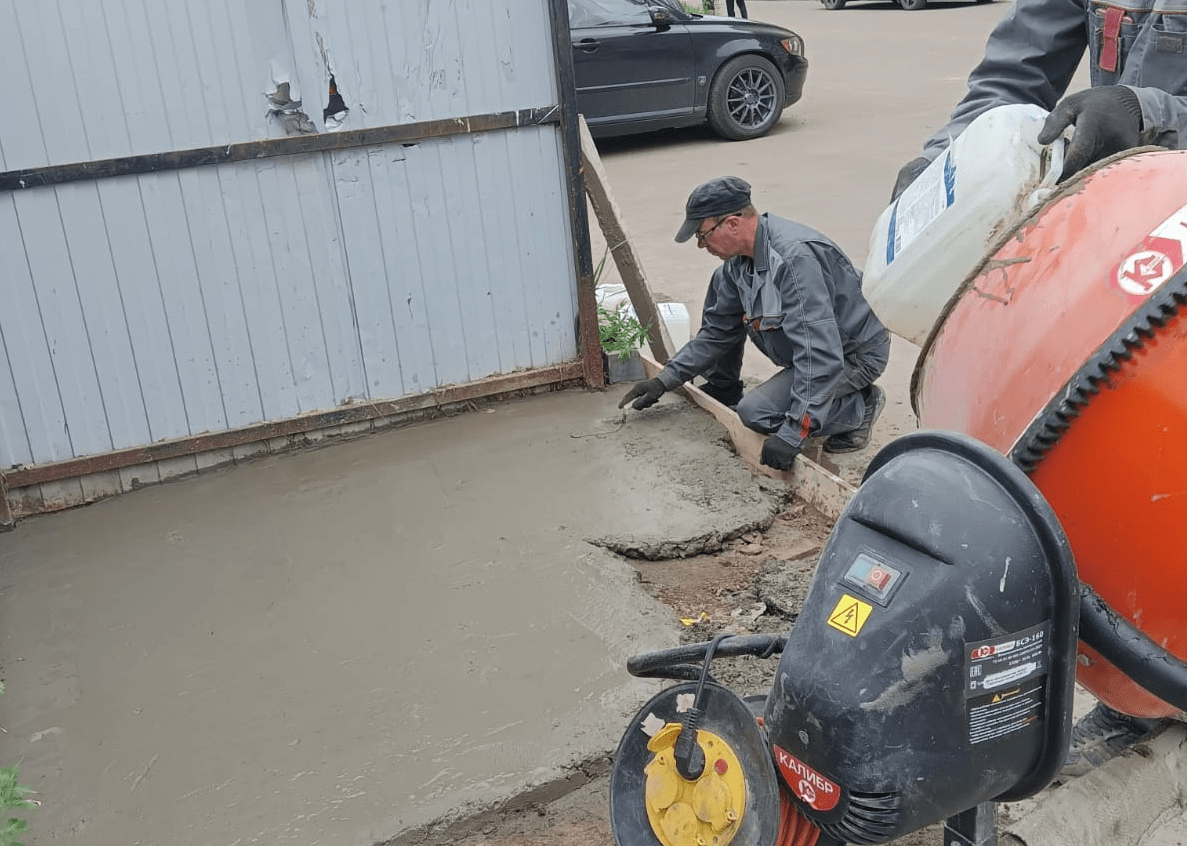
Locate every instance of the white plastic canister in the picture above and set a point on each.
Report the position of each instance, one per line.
(940, 229)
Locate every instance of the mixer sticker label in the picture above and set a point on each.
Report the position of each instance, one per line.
(1156, 259)
(996, 664)
(1005, 682)
(850, 615)
(815, 790)
(925, 199)
(1005, 712)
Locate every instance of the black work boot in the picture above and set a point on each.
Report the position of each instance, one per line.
(1102, 734)
(729, 394)
(858, 438)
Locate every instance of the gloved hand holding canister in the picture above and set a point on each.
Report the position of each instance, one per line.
(908, 174)
(1107, 120)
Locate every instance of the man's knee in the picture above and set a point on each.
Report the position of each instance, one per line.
(757, 414)
(878, 358)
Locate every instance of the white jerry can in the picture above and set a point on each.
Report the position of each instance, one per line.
(928, 241)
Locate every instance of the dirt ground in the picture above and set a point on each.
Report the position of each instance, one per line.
(755, 585)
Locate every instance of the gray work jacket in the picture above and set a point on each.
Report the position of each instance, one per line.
(1033, 52)
(800, 302)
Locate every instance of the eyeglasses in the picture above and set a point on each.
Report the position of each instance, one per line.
(701, 236)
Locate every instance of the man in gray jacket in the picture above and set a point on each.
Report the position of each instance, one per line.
(794, 293)
(1137, 51)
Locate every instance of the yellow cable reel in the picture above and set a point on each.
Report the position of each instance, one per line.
(704, 812)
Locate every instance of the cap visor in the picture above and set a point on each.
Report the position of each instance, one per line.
(687, 230)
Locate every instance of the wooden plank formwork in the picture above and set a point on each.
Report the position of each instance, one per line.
(827, 492)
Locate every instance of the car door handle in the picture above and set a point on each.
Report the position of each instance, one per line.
(588, 45)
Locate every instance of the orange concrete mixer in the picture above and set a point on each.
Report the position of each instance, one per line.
(1066, 349)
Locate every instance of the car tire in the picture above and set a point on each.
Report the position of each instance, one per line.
(746, 98)
(833, 4)
(912, 5)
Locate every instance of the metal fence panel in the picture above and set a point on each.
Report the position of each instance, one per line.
(169, 304)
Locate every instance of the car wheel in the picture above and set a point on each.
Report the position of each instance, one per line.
(746, 98)
(833, 4)
(912, 5)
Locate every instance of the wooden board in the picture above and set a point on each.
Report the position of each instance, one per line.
(630, 268)
(6, 522)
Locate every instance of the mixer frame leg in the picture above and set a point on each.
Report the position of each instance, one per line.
(974, 827)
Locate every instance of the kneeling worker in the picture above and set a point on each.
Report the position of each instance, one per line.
(798, 297)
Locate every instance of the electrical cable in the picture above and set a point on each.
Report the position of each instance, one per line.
(690, 758)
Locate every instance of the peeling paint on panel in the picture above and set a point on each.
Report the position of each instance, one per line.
(284, 102)
(334, 114)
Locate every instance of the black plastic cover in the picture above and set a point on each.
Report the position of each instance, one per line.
(932, 666)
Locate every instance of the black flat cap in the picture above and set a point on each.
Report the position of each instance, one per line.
(724, 195)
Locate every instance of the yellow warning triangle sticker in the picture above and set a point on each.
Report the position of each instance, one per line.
(849, 615)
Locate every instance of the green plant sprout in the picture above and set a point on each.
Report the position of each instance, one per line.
(12, 795)
(619, 333)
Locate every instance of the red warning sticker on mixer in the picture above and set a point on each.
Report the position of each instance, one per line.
(1156, 259)
(815, 790)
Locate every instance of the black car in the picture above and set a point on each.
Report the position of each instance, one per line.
(642, 65)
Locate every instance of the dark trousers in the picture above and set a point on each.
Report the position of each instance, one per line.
(729, 7)
(765, 408)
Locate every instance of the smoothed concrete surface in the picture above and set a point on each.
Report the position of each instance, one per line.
(339, 645)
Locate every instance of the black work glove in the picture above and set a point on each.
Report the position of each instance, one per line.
(645, 394)
(908, 174)
(1107, 120)
(778, 453)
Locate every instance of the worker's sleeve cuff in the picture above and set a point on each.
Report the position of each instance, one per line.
(791, 434)
(669, 380)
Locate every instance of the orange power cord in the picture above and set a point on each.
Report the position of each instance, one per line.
(794, 828)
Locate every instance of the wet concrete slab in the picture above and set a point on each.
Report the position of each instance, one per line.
(342, 644)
